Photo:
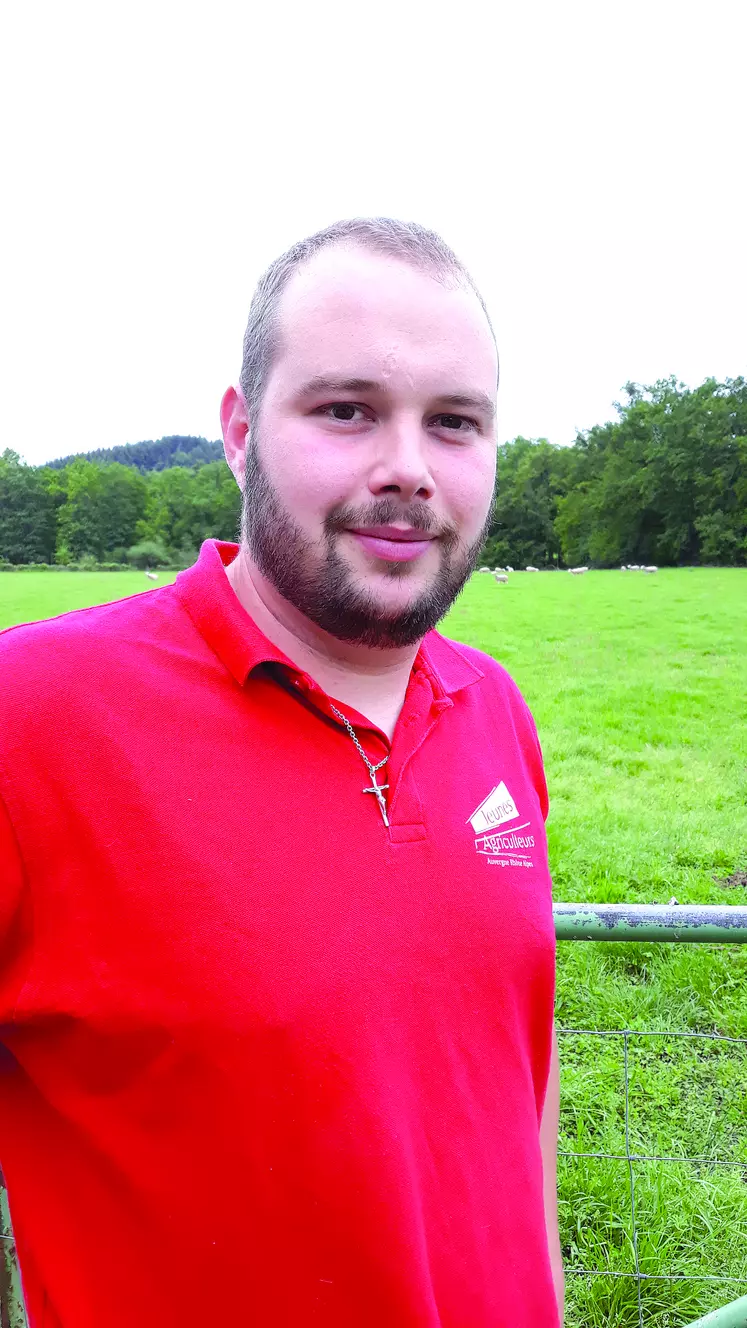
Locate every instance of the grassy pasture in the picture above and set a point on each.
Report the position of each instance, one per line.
(639, 688)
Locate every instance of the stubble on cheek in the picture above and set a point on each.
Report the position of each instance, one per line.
(330, 586)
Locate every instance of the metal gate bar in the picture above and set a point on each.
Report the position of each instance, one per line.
(650, 922)
(731, 1316)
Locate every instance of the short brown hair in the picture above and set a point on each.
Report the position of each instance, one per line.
(407, 240)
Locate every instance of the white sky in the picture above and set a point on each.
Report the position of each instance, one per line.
(586, 160)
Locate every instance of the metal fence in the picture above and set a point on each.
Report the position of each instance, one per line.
(573, 922)
(648, 922)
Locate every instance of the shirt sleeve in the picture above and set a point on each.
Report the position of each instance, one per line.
(14, 919)
(538, 765)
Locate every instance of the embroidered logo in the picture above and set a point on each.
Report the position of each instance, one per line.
(503, 848)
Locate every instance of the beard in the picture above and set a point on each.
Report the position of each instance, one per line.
(322, 586)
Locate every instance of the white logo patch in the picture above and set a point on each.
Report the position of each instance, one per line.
(497, 808)
(503, 848)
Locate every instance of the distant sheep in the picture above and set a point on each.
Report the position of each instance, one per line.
(153, 576)
(623, 569)
(503, 580)
(532, 569)
(649, 569)
(577, 571)
(483, 569)
(509, 569)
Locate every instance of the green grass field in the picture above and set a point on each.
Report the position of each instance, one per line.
(639, 686)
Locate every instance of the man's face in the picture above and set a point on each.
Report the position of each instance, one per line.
(377, 422)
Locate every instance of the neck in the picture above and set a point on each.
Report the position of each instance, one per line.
(373, 681)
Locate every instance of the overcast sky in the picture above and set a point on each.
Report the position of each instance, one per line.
(586, 160)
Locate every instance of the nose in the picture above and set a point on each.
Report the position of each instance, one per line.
(401, 462)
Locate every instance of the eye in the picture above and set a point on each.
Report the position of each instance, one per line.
(342, 411)
(453, 423)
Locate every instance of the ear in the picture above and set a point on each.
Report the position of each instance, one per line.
(235, 425)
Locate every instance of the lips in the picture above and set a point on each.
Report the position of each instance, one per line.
(391, 545)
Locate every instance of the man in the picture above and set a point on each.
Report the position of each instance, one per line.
(277, 975)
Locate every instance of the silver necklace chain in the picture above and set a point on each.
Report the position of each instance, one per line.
(376, 789)
(371, 768)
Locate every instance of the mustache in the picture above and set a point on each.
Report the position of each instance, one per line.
(387, 512)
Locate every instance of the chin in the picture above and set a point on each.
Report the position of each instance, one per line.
(397, 583)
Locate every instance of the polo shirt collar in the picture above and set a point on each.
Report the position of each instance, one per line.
(219, 616)
(216, 611)
(451, 669)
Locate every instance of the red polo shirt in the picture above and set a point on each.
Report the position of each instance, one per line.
(264, 1060)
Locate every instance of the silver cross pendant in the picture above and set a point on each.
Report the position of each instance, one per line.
(378, 792)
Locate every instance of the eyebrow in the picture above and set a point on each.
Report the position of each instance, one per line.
(323, 383)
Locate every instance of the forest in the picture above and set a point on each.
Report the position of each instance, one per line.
(665, 482)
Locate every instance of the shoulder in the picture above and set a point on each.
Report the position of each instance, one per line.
(61, 656)
(75, 629)
(455, 661)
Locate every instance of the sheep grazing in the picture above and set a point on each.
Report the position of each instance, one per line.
(577, 571)
(649, 569)
(152, 576)
(500, 578)
(532, 569)
(509, 569)
(483, 569)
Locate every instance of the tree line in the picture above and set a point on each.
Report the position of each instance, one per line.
(665, 482)
(175, 450)
(88, 513)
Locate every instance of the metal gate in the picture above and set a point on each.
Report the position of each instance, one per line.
(646, 923)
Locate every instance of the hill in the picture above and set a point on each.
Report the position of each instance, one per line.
(176, 450)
